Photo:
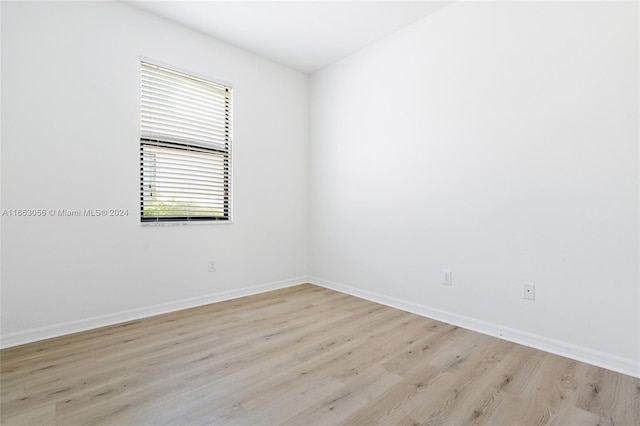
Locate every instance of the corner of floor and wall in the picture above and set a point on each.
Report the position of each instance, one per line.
(492, 144)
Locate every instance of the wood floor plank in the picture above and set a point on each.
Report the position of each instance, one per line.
(397, 401)
(609, 395)
(467, 397)
(462, 393)
(353, 396)
(576, 416)
(41, 415)
(300, 356)
(292, 399)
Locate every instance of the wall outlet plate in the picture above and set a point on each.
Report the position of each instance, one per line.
(212, 266)
(529, 292)
(447, 277)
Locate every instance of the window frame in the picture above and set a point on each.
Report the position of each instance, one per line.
(226, 155)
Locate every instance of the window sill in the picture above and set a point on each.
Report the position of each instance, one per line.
(189, 223)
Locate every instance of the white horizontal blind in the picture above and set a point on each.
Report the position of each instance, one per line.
(185, 147)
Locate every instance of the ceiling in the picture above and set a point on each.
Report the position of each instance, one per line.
(304, 35)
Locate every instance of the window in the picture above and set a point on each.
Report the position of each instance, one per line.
(185, 147)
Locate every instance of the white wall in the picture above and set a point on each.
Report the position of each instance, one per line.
(499, 141)
(70, 139)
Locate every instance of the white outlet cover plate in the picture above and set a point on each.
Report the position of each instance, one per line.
(529, 292)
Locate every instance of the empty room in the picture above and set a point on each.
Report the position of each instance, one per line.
(320, 212)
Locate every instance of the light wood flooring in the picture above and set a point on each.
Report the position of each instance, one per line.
(300, 356)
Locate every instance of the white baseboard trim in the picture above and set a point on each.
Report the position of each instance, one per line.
(61, 329)
(611, 362)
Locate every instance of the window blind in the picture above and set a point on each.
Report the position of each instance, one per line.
(185, 147)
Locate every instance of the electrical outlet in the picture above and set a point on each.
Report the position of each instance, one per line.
(212, 266)
(529, 292)
(446, 277)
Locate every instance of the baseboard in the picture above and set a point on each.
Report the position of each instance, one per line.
(61, 329)
(611, 362)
